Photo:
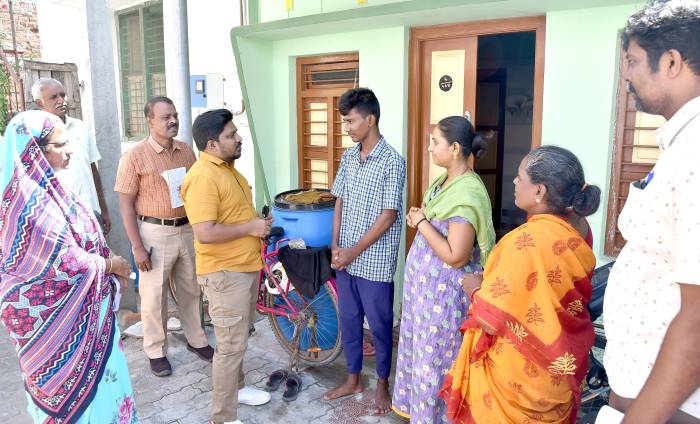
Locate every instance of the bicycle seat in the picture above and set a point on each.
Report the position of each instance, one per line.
(599, 282)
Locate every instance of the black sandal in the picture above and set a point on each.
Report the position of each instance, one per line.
(293, 387)
(275, 379)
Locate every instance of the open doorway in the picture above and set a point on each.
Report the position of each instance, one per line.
(504, 113)
(494, 70)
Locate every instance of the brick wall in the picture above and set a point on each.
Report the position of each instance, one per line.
(28, 42)
(26, 28)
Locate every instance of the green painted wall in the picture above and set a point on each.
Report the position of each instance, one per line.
(581, 72)
(380, 50)
(580, 89)
(269, 82)
(255, 79)
(268, 78)
(273, 10)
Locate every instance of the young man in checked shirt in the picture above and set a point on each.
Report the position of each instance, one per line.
(366, 233)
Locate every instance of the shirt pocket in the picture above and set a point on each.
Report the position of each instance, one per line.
(644, 213)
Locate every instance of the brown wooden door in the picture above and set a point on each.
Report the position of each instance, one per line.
(437, 51)
(447, 87)
(66, 73)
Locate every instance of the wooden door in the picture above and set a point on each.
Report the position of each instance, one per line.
(490, 123)
(451, 50)
(447, 87)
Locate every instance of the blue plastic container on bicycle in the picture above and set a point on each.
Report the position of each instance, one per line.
(313, 223)
(319, 330)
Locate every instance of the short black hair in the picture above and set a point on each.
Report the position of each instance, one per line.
(362, 99)
(209, 125)
(561, 172)
(148, 109)
(664, 25)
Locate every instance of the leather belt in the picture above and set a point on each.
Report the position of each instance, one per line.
(174, 222)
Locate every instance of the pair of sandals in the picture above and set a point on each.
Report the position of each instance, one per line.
(292, 384)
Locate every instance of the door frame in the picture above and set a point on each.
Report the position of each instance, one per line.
(420, 35)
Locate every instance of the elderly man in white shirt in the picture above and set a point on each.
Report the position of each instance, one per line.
(82, 176)
(652, 302)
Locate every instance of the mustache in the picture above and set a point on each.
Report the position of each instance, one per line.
(631, 89)
(173, 126)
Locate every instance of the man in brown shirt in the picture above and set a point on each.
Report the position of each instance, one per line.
(160, 234)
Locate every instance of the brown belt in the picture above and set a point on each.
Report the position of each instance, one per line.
(174, 222)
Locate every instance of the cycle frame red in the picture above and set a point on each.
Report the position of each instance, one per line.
(287, 309)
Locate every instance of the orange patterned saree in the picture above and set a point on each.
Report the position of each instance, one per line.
(528, 333)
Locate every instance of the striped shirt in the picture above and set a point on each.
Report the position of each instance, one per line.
(140, 172)
(367, 188)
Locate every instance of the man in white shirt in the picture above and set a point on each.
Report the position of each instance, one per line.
(652, 302)
(82, 176)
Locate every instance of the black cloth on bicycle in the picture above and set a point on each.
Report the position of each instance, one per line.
(307, 269)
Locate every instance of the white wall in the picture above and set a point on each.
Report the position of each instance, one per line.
(210, 23)
(63, 33)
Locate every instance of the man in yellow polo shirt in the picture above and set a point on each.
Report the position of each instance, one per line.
(227, 232)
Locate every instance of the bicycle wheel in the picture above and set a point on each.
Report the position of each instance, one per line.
(318, 325)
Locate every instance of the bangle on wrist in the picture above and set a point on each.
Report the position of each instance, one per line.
(422, 219)
(109, 269)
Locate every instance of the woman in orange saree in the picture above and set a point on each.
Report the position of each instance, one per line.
(528, 332)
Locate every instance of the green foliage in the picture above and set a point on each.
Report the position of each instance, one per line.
(4, 97)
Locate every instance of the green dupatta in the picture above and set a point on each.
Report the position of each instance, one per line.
(464, 197)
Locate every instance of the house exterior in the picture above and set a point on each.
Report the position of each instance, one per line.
(531, 72)
(126, 51)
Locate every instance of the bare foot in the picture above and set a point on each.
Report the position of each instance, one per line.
(352, 386)
(382, 398)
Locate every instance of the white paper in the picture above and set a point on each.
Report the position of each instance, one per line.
(174, 178)
(608, 415)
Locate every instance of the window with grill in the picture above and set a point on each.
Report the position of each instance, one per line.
(141, 62)
(321, 142)
(635, 153)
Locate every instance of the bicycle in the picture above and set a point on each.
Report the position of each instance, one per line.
(307, 329)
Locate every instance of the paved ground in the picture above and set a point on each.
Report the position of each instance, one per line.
(185, 396)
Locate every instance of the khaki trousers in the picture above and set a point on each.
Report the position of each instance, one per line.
(172, 254)
(232, 297)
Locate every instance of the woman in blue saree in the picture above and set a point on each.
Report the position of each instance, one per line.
(58, 284)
